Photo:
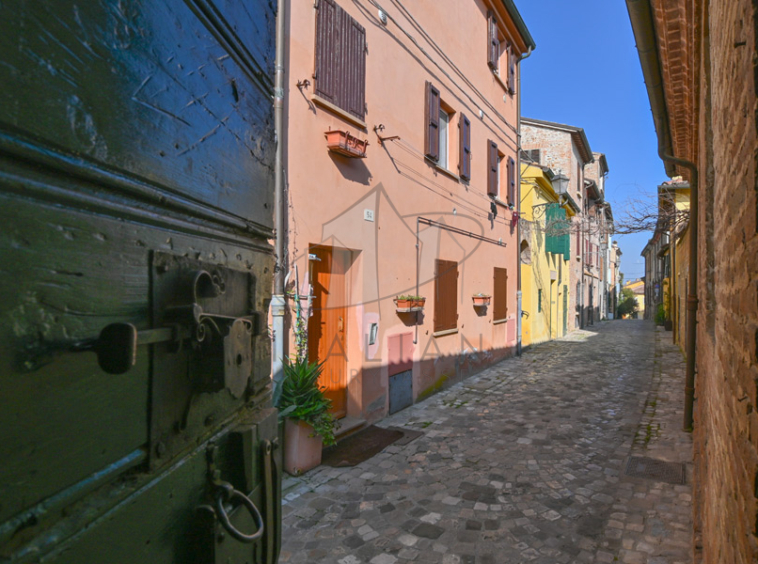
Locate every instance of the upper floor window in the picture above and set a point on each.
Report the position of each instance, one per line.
(340, 76)
(500, 53)
(495, 186)
(439, 132)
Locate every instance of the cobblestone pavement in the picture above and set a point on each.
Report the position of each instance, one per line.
(524, 462)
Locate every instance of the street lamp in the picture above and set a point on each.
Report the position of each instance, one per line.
(560, 183)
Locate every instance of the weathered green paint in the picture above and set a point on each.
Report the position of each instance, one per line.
(126, 128)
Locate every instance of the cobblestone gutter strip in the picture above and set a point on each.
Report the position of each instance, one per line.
(522, 463)
(652, 523)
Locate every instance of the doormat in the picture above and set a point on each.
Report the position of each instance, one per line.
(659, 470)
(362, 446)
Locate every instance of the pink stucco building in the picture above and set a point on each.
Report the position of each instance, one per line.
(413, 195)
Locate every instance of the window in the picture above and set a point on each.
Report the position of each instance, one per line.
(443, 144)
(500, 54)
(500, 294)
(539, 300)
(340, 76)
(439, 133)
(445, 295)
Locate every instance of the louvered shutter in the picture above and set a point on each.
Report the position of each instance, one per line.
(493, 44)
(534, 155)
(355, 67)
(512, 182)
(493, 166)
(432, 121)
(511, 69)
(578, 240)
(500, 294)
(464, 161)
(445, 295)
(340, 76)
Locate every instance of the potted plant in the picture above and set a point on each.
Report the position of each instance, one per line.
(418, 301)
(308, 424)
(404, 302)
(481, 300)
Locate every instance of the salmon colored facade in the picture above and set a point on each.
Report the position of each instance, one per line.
(396, 216)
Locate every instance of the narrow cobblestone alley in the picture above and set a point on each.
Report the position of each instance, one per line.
(525, 462)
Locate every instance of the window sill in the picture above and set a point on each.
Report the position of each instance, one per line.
(443, 170)
(500, 202)
(339, 111)
(443, 333)
(502, 82)
(499, 321)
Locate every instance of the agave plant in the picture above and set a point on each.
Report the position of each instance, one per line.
(300, 397)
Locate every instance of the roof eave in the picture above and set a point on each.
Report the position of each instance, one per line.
(643, 27)
(519, 23)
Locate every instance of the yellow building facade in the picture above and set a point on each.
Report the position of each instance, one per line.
(545, 253)
(678, 192)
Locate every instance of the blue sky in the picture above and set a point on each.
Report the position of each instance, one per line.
(586, 72)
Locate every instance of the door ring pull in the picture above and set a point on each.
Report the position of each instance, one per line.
(227, 493)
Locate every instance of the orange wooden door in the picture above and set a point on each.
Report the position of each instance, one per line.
(327, 327)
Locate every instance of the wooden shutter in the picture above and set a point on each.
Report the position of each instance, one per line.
(340, 76)
(493, 43)
(500, 294)
(354, 71)
(534, 155)
(464, 160)
(328, 39)
(493, 168)
(511, 70)
(445, 295)
(432, 122)
(512, 182)
(578, 240)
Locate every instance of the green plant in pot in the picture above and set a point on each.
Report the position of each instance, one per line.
(308, 422)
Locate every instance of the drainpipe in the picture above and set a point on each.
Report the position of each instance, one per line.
(518, 203)
(643, 26)
(277, 300)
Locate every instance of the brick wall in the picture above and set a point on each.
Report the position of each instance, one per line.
(726, 424)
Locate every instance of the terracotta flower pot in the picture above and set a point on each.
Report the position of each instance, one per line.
(345, 144)
(480, 301)
(302, 447)
(419, 302)
(403, 304)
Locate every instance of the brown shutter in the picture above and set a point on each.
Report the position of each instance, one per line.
(534, 155)
(328, 50)
(464, 161)
(354, 72)
(493, 166)
(500, 294)
(511, 70)
(493, 44)
(432, 121)
(445, 295)
(340, 76)
(512, 182)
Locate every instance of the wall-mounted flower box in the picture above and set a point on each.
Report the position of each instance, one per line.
(406, 304)
(481, 300)
(342, 143)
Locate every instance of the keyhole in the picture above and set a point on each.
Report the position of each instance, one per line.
(239, 360)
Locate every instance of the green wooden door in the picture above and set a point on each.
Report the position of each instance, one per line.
(136, 186)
